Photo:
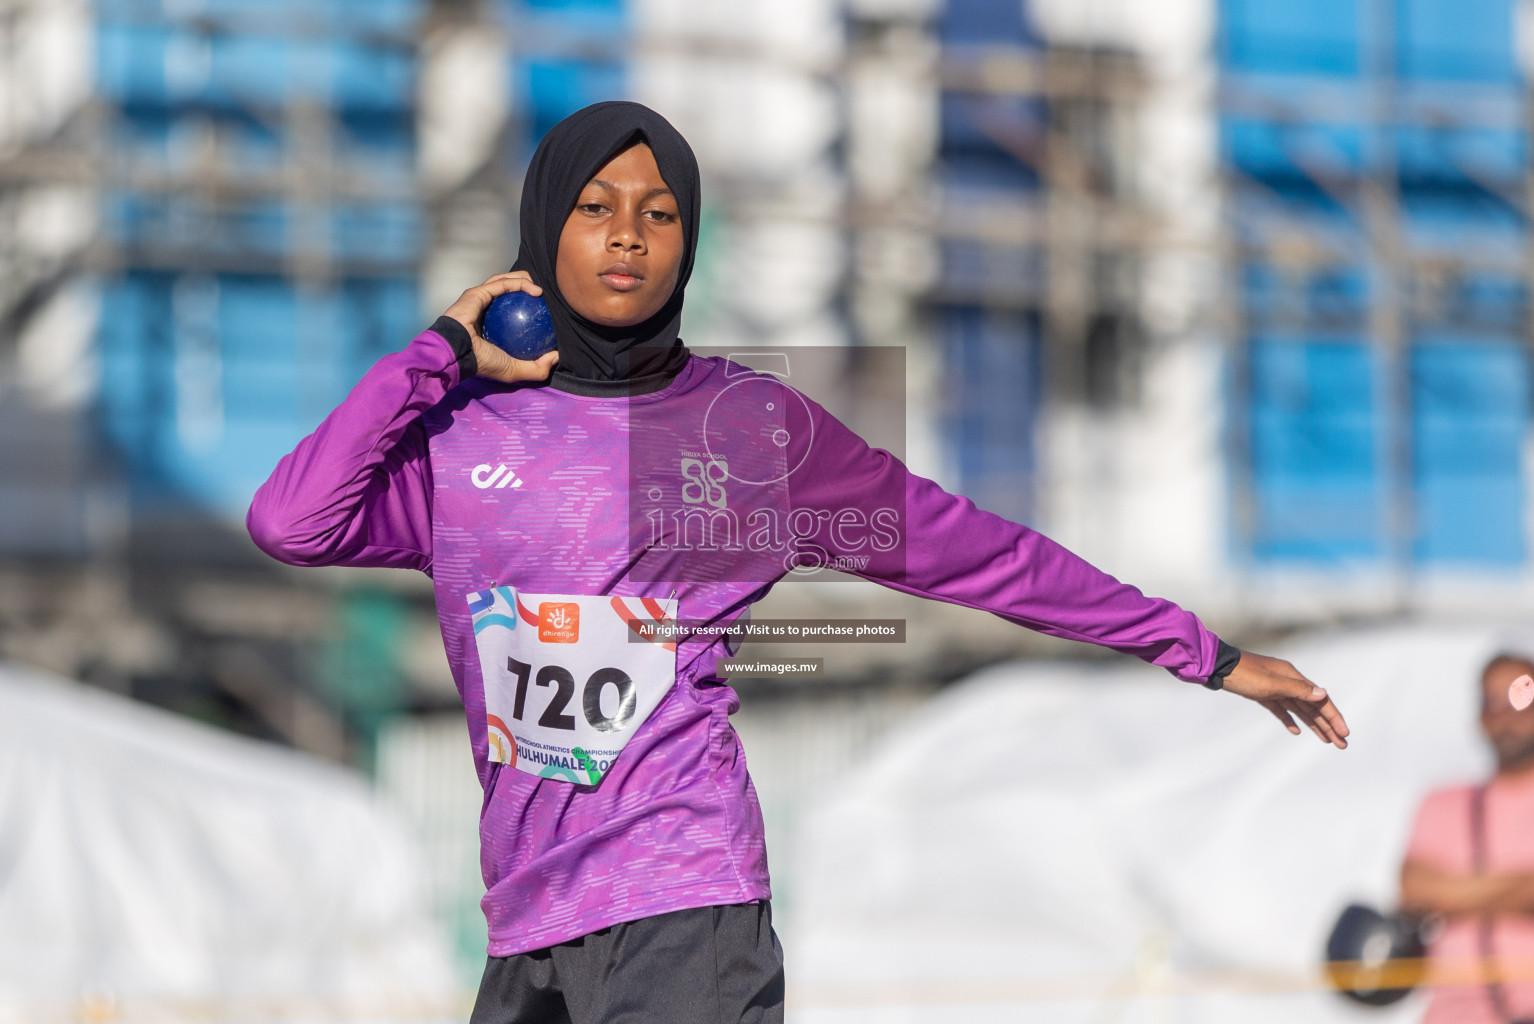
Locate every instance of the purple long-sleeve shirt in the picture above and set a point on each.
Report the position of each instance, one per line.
(410, 471)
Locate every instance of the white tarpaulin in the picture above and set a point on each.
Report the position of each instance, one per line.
(1102, 843)
(152, 868)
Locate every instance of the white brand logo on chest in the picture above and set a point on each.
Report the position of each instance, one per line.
(485, 477)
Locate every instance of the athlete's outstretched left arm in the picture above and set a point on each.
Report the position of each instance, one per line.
(948, 549)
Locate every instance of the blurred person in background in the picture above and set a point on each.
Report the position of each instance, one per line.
(1470, 861)
(637, 888)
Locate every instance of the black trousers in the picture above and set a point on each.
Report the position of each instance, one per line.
(713, 965)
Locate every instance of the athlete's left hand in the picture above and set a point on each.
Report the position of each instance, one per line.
(1279, 687)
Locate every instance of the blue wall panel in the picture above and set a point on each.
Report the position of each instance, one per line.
(576, 57)
(1317, 482)
(991, 357)
(1297, 74)
(1295, 37)
(1470, 415)
(1323, 298)
(554, 89)
(1455, 40)
(339, 17)
(992, 397)
(1458, 155)
(1445, 40)
(167, 64)
(208, 382)
(210, 375)
(1283, 149)
(985, 23)
(976, 134)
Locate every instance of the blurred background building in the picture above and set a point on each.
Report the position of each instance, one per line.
(1231, 296)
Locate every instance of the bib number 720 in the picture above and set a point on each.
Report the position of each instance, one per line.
(559, 677)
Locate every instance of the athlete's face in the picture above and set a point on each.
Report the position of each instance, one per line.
(1511, 732)
(621, 248)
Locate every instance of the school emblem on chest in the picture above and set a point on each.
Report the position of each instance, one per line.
(704, 482)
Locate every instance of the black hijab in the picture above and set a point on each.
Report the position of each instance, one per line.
(633, 359)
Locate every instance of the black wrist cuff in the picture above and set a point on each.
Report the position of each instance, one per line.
(458, 336)
(1225, 660)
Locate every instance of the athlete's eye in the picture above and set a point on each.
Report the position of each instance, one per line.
(591, 208)
(661, 216)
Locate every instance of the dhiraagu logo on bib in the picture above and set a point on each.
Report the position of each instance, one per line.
(559, 622)
(565, 688)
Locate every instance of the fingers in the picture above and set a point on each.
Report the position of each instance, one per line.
(512, 281)
(471, 305)
(1329, 714)
(537, 369)
(1309, 714)
(508, 370)
(1282, 716)
(1311, 705)
(1329, 724)
(1321, 718)
(481, 295)
(1291, 684)
(1289, 696)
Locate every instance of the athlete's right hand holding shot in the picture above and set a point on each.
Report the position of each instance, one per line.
(490, 361)
(562, 505)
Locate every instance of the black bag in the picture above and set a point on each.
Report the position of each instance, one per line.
(1378, 958)
(1375, 958)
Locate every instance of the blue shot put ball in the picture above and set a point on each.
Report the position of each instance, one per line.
(519, 325)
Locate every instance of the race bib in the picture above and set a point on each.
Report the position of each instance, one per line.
(564, 686)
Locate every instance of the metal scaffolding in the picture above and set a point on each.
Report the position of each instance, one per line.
(1410, 284)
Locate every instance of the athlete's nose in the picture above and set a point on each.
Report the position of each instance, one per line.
(626, 235)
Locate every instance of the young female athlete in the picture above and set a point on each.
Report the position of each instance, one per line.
(554, 504)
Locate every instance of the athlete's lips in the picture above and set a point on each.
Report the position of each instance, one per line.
(622, 277)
